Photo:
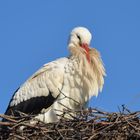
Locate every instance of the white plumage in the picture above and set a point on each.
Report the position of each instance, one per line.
(66, 82)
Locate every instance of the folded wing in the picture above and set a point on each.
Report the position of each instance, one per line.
(40, 90)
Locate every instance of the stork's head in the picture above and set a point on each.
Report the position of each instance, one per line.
(80, 37)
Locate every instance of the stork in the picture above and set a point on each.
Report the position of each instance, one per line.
(66, 82)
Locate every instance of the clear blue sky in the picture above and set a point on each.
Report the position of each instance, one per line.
(35, 32)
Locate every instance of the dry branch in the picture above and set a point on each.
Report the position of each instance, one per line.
(88, 124)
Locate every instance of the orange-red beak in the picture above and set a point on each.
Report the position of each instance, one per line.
(86, 48)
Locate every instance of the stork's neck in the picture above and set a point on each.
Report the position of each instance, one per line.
(80, 52)
(93, 71)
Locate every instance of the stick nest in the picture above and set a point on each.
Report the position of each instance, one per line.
(88, 124)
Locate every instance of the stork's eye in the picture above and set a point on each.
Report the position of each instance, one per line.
(79, 37)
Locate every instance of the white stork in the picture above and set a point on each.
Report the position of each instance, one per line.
(67, 82)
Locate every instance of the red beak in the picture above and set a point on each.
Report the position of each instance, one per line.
(86, 48)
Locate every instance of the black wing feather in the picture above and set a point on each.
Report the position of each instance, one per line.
(31, 106)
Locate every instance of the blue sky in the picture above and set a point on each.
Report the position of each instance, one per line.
(35, 32)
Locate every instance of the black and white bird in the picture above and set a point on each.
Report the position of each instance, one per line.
(66, 82)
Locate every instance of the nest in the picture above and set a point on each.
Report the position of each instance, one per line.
(88, 124)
